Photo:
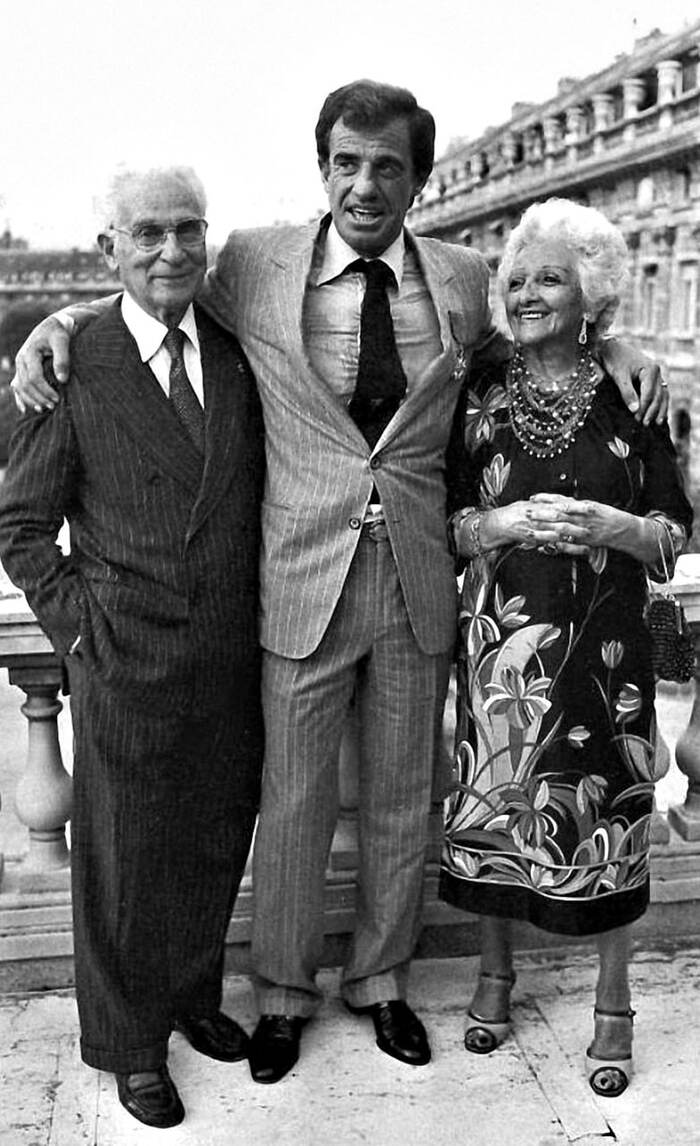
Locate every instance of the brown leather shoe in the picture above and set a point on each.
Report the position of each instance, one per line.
(217, 1036)
(274, 1047)
(399, 1031)
(151, 1097)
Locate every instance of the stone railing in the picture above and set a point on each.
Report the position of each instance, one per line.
(35, 921)
(42, 800)
(685, 819)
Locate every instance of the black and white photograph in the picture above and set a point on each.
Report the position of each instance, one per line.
(350, 573)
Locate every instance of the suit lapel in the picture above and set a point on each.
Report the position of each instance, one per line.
(224, 397)
(438, 275)
(294, 259)
(129, 388)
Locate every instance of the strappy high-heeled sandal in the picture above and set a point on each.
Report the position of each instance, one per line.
(610, 1077)
(482, 1036)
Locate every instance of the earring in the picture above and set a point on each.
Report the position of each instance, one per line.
(583, 332)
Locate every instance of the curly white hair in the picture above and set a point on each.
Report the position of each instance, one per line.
(597, 246)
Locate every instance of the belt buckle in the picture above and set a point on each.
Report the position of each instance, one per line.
(376, 530)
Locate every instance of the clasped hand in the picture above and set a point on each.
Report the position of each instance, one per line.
(558, 524)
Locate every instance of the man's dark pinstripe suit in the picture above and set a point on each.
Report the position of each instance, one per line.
(162, 586)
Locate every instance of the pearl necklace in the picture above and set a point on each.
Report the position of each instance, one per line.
(546, 423)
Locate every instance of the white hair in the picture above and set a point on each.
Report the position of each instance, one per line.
(124, 181)
(596, 245)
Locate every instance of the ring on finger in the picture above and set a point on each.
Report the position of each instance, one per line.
(567, 538)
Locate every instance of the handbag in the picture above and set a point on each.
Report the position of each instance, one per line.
(672, 644)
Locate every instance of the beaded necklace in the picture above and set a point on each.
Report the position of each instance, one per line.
(546, 423)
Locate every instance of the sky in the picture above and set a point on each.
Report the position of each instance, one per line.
(234, 87)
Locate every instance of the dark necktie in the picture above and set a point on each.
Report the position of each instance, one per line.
(184, 400)
(381, 382)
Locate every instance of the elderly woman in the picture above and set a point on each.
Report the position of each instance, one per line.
(562, 504)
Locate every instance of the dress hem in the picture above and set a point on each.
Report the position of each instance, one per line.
(551, 914)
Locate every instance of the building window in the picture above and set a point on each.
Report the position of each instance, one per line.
(684, 184)
(645, 193)
(651, 91)
(649, 300)
(688, 298)
(689, 76)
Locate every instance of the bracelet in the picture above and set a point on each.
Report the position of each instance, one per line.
(466, 526)
(474, 529)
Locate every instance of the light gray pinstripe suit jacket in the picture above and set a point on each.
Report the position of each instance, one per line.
(319, 470)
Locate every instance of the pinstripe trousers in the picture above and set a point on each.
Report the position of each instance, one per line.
(163, 816)
(369, 652)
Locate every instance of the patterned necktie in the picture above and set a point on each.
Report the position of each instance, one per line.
(381, 382)
(184, 400)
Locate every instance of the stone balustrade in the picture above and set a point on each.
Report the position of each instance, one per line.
(35, 923)
(685, 819)
(43, 798)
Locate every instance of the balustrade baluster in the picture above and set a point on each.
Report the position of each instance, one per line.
(43, 798)
(685, 818)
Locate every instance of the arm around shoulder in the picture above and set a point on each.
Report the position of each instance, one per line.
(47, 349)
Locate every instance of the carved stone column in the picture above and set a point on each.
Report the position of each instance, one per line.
(509, 149)
(574, 123)
(43, 798)
(633, 90)
(533, 144)
(552, 133)
(669, 76)
(603, 104)
(602, 110)
(685, 818)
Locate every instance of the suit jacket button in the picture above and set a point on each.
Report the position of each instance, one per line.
(375, 463)
(355, 523)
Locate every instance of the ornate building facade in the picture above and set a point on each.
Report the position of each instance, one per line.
(627, 141)
(54, 278)
(32, 284)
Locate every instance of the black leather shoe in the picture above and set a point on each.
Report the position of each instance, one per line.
(217, 1036)
(274, 1047)
(150, 1096)
(399, 1031)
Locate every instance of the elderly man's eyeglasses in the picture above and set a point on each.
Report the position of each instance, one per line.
(151, 236)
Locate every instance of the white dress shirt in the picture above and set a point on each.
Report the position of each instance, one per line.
(333, 304)
(149, 332)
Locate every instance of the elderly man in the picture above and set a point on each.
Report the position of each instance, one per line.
(154, 456)
(359, 336)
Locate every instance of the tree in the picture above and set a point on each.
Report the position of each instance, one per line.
(17, 322)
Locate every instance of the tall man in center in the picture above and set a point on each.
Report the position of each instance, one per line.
(358, 335)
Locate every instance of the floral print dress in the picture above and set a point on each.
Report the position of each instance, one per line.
(554, 764)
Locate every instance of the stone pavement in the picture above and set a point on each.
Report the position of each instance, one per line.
(344, 1091)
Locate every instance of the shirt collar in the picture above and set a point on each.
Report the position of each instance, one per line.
(149, 332)
(338, 254)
